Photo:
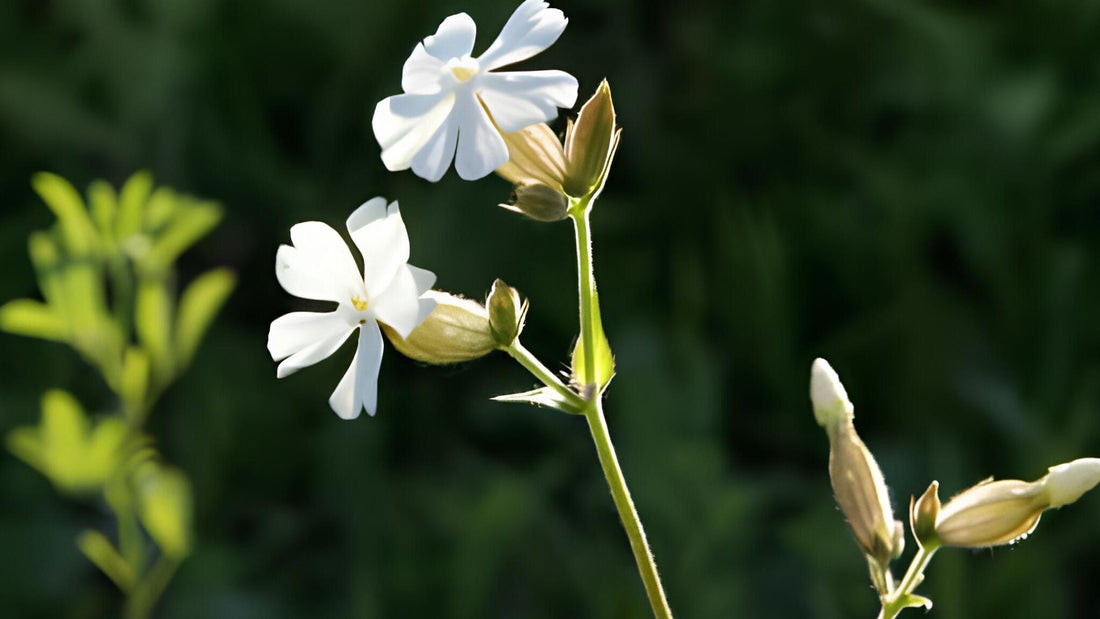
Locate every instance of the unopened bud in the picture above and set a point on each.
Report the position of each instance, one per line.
(590, 143)
(923, 513)
(535, 157)
(830, 400)
(861, 493)
(506, 313)
(539, 202)
(1000, 512)
(457, 330)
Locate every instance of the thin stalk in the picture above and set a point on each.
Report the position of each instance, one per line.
(140, 603)
(627, 513)
(543, 373)
(587, 283)
(893, 604)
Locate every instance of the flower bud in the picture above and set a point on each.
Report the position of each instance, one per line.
(923, 513)
(506, 313)
(861, 493)
(535, 157)
(457, 330)
(590, 142)
(830, 400)
(539, 202)
(1000, 512)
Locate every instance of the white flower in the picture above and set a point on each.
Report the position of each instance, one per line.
(319, 266)
(453, 100)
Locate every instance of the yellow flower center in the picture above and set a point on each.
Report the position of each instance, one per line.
(358, 302)
(463, 68)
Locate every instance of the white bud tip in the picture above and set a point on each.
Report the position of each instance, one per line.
(1067, 482)
(830, 400)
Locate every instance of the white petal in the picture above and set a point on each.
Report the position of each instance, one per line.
(453, 39)
(532, 28)
(314, 352)
(424, 279)
(318, 266)
(517, 99)
(437, 153)
(399, 305)
(481, 149)
(422, 72)
(380, 235)
(358, 389)
(403, 124)
(296, 331)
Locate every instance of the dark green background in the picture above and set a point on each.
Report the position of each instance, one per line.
(906, 188)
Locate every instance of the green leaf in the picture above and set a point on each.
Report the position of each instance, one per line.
(604, 360)
(543, 396)
(199, 303)
(161, 207)
(153, 324)
(131, 205)
(33, 319)
(134, 381)
(912, 600)
(77, 231)
(102, 553)
(190, 223)
(46, 258)
(104, 204)
(164, 506)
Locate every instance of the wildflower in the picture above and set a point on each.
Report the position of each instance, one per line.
(390, 292)
(453, 101)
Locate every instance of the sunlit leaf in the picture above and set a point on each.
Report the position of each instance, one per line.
(131, 204)
(134, 380)
(188, 224)
(104, 204)
(46, 258)
(153, 323)
(543, 396)
(102, 553)
(604, 360)
(77, 231)
(199, 303)
(164, 506)
(162, 205)
(33, 319)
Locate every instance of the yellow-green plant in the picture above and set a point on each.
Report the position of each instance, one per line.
(107, 277)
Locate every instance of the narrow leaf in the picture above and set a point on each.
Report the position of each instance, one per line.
(543, 396)
(33, 319)
(131, 204)
(104, 205)
(134, 381)
(189, 224)
(198, 306)
(102, 553)
(164, 506)
(77, 231)
(153, 324)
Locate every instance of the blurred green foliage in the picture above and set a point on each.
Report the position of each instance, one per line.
(908, 188)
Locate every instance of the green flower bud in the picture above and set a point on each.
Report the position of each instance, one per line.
(457, 330)
(535, 157)
(539, 202)
(590, 143)
(923, 513)
(506, 313)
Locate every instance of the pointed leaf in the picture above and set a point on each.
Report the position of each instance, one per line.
(131, 205)
(153, 324)
(543, 396)
(134, 380)
(199, 304)
(164, 507)
(104, 205)
(604, 360)
(33, 319)
(77, 231)
(190, 223)
(102, 553)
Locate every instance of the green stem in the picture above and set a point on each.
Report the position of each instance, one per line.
(587, 284)
(627, 513)
(593, 412)
(543, 373)
(896, 602)
(140, 603)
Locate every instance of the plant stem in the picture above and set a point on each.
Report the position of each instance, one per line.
(593, 412)
(627, 513)
(587, 284)
(140, 603)
(543, 373)
(895, 602)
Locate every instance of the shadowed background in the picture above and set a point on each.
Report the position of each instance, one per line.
(906, 188)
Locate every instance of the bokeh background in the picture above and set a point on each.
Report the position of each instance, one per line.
(906, 188)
